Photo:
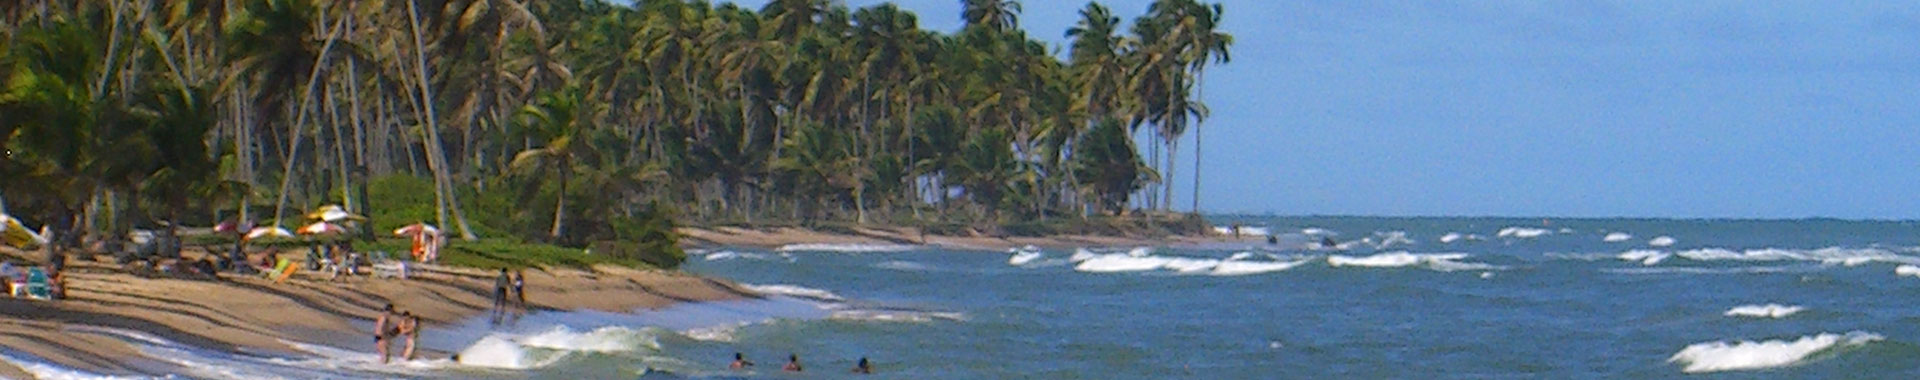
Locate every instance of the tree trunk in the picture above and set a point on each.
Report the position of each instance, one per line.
(435, 153)
(560, 204)
(300, 121)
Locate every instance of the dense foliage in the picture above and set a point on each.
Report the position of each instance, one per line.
(576, 121)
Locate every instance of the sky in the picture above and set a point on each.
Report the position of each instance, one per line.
(1687, 109)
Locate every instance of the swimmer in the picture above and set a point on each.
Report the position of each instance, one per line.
(740, 362)
(793, 363)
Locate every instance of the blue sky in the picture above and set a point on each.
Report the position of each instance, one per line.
(1551, 108)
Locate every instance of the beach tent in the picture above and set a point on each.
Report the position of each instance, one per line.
(17, 235)
(268, 232)
(333, 214)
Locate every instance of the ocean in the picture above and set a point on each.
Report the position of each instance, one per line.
(1391, 298)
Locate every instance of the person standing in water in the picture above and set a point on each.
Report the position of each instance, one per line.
(793, 363)
(520, 290)
(409, 327)
(385, 328)
(739, 362)
(500, 284)
(863, 367)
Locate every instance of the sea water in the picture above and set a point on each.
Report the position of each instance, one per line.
(1455, 298)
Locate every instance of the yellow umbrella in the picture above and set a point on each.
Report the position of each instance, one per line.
(16, 234)
(333, 214)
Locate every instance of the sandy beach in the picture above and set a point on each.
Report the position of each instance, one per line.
(256, 315)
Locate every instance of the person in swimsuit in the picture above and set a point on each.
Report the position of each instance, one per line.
(520, 289)
(740, 362)
(409, 327)
(500, 284)
(793, 363)
(385, 328)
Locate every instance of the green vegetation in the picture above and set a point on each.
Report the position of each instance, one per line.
(578, 122)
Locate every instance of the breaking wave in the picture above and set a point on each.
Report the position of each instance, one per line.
(1445, 262)
(1616, 237)
(1772, 310)
(1521, 232)
(795, 291)
(1663, 241)
(1748, 355)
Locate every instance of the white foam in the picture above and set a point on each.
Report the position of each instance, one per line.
(794, 291)
(1907, 270)
(1522, 232)
(1749, 355)
(1446, 262)
(1024, 257)
(1616, 237)
(847, 248)
(1190, 265)
(1082, 254)
(1693, 270)
(1316, 231)
(500, 352)
(735, 255)
(1391, 259)
(724, 333)
(1140, 251)
(1243, 230)
(1663, 241)
(903, 266)
(1120, 263)
(45, 371)
(896, 316)
(1772, 310)
(1393, 238)
(1451, 237)
(605, 339)
(1241, 268)
(1237, 256)
(1645, 257)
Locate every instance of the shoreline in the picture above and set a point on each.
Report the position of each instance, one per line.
(776, 237)
(255, 316)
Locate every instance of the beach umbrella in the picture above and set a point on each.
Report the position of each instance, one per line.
(16, 234)
(322, 228)
(333, 214)
(416, 229)
(268, 232)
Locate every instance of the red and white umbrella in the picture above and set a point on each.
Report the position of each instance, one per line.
(322, 228)
(416, 229)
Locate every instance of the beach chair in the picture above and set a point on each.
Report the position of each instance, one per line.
(282, 271)
(37, 285)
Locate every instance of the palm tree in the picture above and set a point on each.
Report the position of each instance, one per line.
(1205, 43)
(556, 119)
(998, 15)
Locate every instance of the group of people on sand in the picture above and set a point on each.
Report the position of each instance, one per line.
(395, 325)
(740, 363)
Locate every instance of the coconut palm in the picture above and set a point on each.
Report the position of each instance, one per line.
(998, 15)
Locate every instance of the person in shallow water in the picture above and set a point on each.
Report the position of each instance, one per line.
(385, 328)
(500, 285)
(793, 363)
(740, 362)
(863, 367)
